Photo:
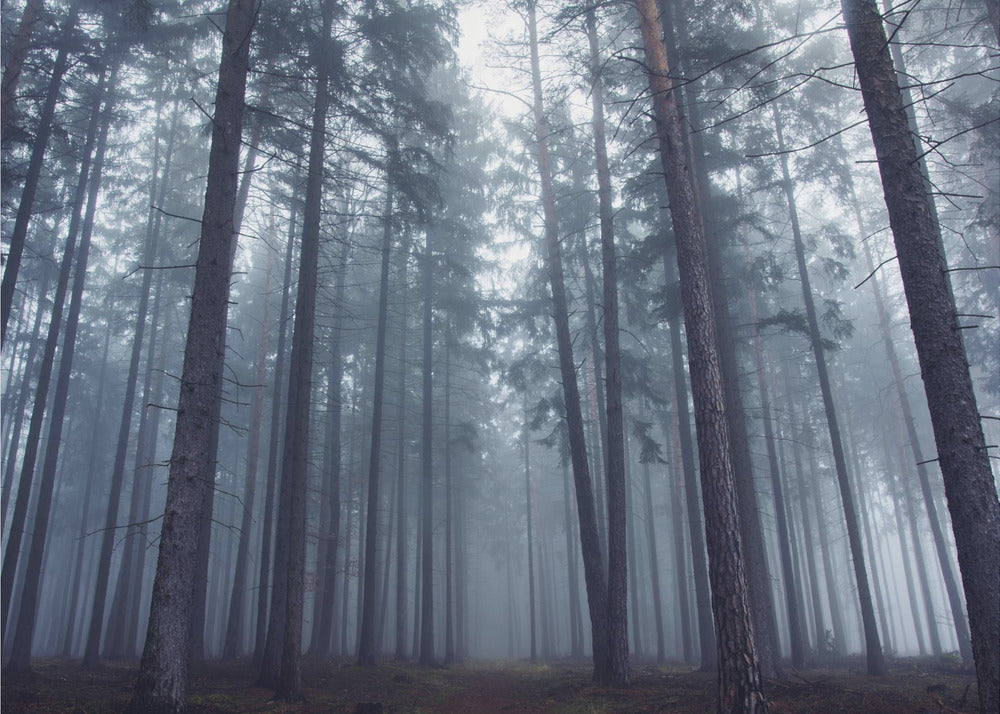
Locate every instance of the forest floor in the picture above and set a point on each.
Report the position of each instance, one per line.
(912, 686)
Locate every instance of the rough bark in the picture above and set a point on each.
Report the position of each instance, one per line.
(740, 684)
(162, 680)
(958, 433)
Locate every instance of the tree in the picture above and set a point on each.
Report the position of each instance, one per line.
(741, 688)
(162, 682)
(958, 432)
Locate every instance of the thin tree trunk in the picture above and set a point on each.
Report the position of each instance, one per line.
(20, 659)
(530, 532)
(366, 638)
(297, 421)
(19, 515)
(17, 52)
(784, 542)
(38, 147)
(654, 569)
(234, 625)
(162, 681)
(592, 561)
(267, 529)
(449, 577)
(740, 684)
(323, 633)
(92, 651)
(873, 646)
(426, 472)
(401, 540)
(618, 563)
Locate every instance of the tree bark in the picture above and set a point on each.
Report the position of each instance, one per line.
(958, 433)
(162, 681)
(426, 471)
(741, 687)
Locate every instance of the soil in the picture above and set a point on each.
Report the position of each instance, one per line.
(912, 686)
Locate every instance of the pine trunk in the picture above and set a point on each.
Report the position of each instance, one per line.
(162, 681)
(740, 684)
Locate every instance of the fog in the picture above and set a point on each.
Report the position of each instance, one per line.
(446, 332)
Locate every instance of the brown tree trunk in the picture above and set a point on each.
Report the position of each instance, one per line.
(741, 687)
(162, 681)
(592, 565)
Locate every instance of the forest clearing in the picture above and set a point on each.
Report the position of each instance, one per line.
(525, 355)
(912, 686)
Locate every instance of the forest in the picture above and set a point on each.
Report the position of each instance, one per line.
(529, 355)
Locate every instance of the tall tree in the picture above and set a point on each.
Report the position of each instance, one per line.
(873, 646)
(616, 480)
(162, 682)
(958, 432)
(741, 687)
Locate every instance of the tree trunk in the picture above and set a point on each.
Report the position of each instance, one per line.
(162, 681)
(958, 433)
(449, 574)
(401, 503)
(20, 660)
(873, 646)
(366, 638)
(426, 471)
(592, 565)
(19, 515)
(616, 480)
(740, 684)
(654, 568)
(267, 529)
(784, 542)
(38, 147)
(323, 632)
(530, 532)
(297, 421)
(17, 51)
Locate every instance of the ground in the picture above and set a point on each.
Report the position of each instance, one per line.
(912, 686)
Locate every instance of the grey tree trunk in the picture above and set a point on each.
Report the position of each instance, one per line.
(267, 527)
(20, 660)
(162, 680)
(426, 471)
(20, 512)
(41, 142)
(958, 433)
(366, 638)
(873, 645)
(592, 561)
